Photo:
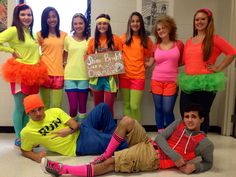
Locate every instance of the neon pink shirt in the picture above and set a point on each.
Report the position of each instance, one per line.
(193, 55)
(166, 68)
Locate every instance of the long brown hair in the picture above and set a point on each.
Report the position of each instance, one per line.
(209, 32)
(142, 32)
(17, 23)
(109, 34)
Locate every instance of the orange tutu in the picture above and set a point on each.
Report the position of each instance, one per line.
(14, 71)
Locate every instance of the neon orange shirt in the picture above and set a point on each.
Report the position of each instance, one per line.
(134, 57)
(103, 44)
(52, 53)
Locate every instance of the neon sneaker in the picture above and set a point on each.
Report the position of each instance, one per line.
(98, 160)
(51, 167)
(17, 143)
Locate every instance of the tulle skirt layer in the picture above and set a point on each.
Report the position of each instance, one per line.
(202, 82)
(14, 71)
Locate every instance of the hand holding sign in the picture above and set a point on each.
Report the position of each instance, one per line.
(104, 64)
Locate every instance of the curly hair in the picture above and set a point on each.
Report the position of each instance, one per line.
(169, 23)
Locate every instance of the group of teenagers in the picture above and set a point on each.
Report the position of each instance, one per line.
(60, 65)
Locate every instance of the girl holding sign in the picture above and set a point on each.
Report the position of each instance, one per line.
(75, 75)
(137, 47)
(104, 88)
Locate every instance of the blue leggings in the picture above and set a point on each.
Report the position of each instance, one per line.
(96, 132)
(20, 119)
(164, 106)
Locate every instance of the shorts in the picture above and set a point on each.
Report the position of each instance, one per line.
(140, 156)
(133, 84)
(163, 88)
(76, 85)
(27, 90)
(102, 85)
(54, 82)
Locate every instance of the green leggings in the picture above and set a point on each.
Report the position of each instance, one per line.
(131, 103)
(52, 98)
(20, 118)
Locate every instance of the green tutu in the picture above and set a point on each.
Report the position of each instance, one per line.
(202, 82)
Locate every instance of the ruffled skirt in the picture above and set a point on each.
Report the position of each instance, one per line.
(202, 82)
(16, 72)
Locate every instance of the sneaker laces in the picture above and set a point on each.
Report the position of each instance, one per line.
(54, 167)
(98, 160)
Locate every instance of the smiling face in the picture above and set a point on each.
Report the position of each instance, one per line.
(192, 120)
(78, 25)
(162, 31)
(201, 21)
(26, 17)
(135, 24)
(52, 19)
(102, 27)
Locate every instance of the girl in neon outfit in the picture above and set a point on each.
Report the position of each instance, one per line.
(167, 58)
(51, 40)
(137, 47)
(104, 88)
(75, 75)
(25, 71)
(202, 78)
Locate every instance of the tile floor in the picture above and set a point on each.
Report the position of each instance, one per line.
(12, 164)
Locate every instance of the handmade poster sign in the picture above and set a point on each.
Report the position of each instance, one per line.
(104, 64)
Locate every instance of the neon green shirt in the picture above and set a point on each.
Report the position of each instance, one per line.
(75, 68)
(41, 132)
(28, 49)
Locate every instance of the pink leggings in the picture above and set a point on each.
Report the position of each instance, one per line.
(77, 100)
(106, 97)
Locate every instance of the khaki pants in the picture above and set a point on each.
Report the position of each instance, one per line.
(140, 156)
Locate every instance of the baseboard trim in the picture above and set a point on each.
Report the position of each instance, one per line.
(215, 129)
(148, 128)
(7, 129)
(152, 128)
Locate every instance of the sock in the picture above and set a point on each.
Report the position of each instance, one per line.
(161, 130)
(81, 117)
(112, 146)
(81, 170)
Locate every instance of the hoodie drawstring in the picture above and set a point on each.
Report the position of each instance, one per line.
(186, 146)
(179, 139)
(185, 149)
